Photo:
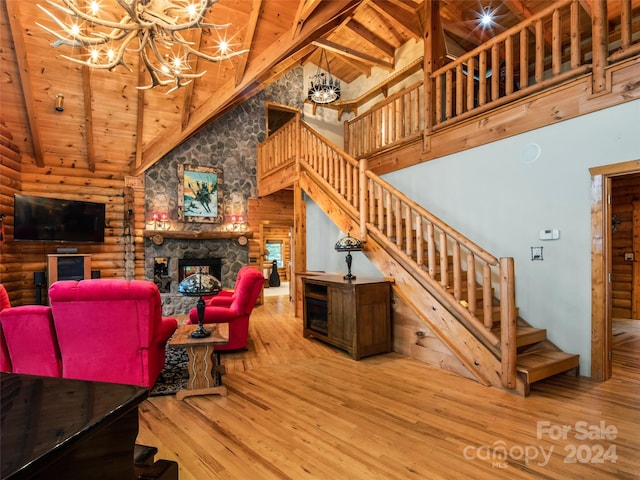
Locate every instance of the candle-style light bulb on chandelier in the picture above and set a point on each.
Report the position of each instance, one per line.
(324, 88)
(152, 29)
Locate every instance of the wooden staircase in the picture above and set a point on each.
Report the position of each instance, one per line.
(446, 280)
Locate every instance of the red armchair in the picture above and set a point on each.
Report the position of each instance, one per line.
(28, 342)
(31, 340)
(110, 330)
(244, 297)
(225, 297)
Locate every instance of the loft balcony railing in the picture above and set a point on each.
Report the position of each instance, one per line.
(554, 46)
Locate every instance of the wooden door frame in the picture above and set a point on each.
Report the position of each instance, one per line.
(601, 264)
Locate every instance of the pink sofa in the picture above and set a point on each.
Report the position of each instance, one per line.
(237, 312)
(104, 330)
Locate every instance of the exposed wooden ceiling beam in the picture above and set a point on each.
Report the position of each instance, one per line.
(375, 40)
(325, 18)
(254, 16)
(188, 89)
(140, 117)
(389, 9)
(305, 9)
(27, 90)
(347, 52)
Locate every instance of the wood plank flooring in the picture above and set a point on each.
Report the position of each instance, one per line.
(298, 409)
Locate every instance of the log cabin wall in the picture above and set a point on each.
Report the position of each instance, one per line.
(11, 259)
(626, 191)
(274, 210)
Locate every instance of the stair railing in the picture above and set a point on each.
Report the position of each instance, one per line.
(448, 261)
(279, 150)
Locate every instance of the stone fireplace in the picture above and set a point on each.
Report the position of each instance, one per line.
(174, 259)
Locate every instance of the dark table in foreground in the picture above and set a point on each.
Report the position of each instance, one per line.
(68, 429)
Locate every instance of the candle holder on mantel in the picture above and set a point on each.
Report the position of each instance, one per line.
(198, 285)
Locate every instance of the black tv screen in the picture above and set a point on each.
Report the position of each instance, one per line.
(58, 220)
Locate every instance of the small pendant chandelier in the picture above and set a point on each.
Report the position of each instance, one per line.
(324, 88)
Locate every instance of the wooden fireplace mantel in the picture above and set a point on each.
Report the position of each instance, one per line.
(158, 236)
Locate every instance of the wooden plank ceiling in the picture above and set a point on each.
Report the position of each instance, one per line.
(106, 118)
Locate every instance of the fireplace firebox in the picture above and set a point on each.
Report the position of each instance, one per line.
(188, 266)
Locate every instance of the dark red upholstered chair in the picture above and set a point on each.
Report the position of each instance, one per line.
(225, 297)
(111, 330)
(237, 313)
(31, 340)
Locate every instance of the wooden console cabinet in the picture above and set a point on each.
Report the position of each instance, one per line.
(353, 315)
(68, 267)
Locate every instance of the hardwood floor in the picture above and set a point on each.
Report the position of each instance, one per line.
(298, 409)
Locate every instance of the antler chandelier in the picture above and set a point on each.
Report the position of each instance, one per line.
(151, 28)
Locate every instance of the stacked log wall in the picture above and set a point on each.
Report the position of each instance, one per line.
(11, 258)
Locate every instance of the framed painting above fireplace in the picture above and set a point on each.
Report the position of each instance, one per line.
(200, 196)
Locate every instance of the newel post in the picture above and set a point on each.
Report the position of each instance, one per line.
(508, 322)
(364, 198)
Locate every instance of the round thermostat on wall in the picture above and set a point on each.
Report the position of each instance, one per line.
(243, 240)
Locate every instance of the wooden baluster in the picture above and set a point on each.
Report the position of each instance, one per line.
(372, 201)
(471, 283)
(524, 58)
(495, 72)
(398, 215)
(382, 195)
(599, 44)
(388, 201)
(625, 23)
(471, 84)
(482, 87)
(459, 90)
(438, 99)
(487, 297)
(576, 56)
(408, 230)
(449, 94)
(431, 250)
(539, 51)
(508, 58)
(556, 43)
(457, 272)
(444, 261)
(419, 241)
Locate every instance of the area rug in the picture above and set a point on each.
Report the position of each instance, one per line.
(174, 374)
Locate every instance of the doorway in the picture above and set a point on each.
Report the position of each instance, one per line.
(606, 184)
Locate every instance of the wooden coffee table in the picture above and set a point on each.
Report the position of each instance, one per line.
(201, 358)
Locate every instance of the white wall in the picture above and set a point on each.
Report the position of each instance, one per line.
(500, 195)
(322, 235)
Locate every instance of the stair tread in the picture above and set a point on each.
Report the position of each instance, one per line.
(540, 364)
(526, 335)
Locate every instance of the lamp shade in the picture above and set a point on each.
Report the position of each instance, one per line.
(198, 284)
(348, 244)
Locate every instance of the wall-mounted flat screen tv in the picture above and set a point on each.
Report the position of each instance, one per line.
(57, 220)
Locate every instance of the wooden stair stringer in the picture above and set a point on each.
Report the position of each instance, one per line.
(469, 350)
